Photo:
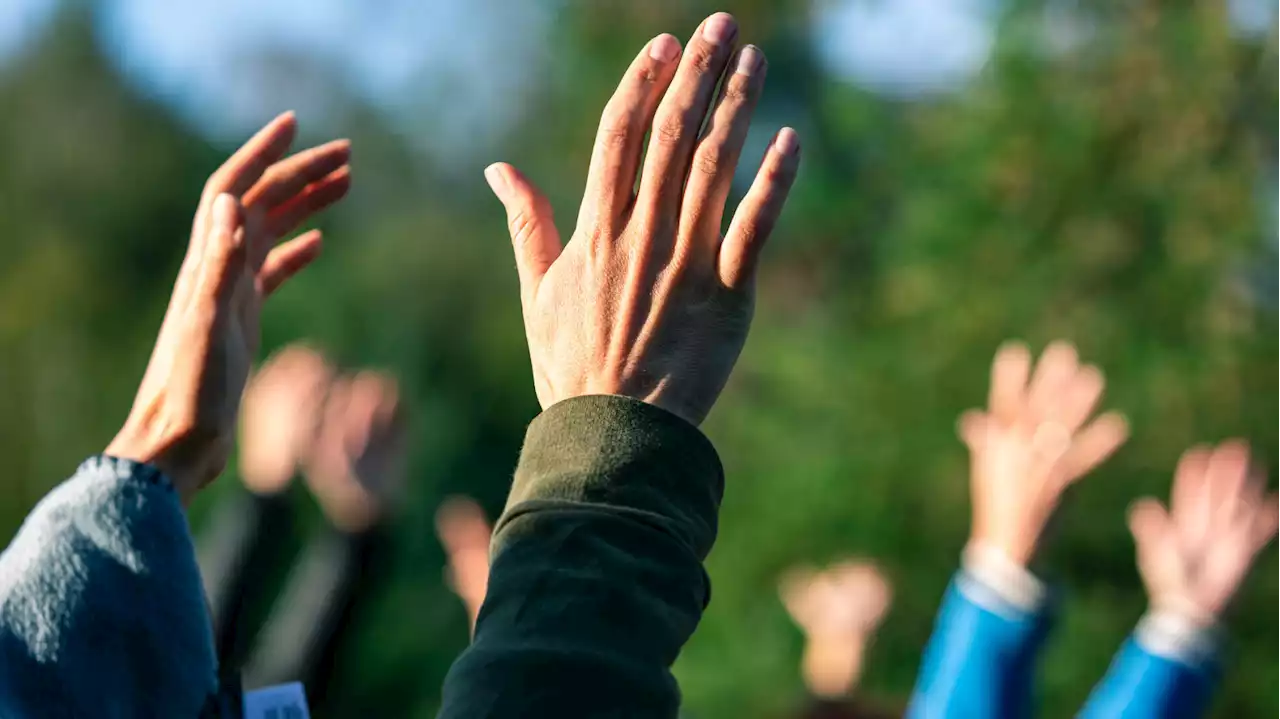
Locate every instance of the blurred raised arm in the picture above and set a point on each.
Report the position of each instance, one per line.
(1034, 439)
(1192, 558)
(633, 325)
(101, 608)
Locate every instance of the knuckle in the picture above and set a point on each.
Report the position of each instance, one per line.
(702, 58)
(709, 159)
(670, 130)
(647, 74)
(615, 131)
(523, 223)
(749, 230)
(737, 90)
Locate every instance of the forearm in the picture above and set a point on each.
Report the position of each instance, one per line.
(101, 609)
(1168, 668)
(597, 578)
(247, 539)
(980, 660)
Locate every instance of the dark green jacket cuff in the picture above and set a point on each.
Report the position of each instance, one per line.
(597, 580)
(625, 454)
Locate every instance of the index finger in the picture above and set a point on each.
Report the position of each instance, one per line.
(1009, 373)
(243, 168)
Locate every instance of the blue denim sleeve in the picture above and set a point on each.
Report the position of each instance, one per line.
(980, 660)
(101, 607)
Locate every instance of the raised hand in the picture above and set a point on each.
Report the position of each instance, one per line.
(1032, 442)
(465, 534)
(648, 299)
(281, 416)
(839, 610)
(1193, 557)
(184, 415)
(357, 464)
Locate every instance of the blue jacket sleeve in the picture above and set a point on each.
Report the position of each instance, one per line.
(1143, 683)
(980, 659)
(101, 609)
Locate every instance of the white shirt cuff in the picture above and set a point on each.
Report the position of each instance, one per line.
(1177, 635)
(998, 583)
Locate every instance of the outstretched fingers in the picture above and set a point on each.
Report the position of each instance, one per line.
(291, 175)
(759, 211)
(314, 197)
(680, 116)
(716, 157)
(244, 168)
(611, 178)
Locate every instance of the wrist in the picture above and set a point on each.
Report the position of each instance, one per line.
(1186, 608)
(1009, 581)
(1010, 550)
(1178, 632)
(173, 459)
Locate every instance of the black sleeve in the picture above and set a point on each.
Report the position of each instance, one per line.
(245, 545)
(597, 579)
(305, 634)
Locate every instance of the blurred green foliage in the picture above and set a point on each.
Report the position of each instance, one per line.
(1104, 190)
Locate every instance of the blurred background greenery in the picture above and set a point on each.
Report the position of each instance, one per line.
(1099, 170)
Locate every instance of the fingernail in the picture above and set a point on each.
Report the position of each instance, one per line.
(719, 28)
(787, 142)
(664, 48)
(749, 60)
(497, 179)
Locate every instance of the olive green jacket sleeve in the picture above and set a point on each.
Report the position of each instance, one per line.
(597, 578)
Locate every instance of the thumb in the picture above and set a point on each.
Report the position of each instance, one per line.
(224, 250)
(972, 429)
(529, 220)
(1149, 523)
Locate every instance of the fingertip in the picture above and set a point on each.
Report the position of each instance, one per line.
(1013, 349)
(1117, 422)
(340, 148)
(498, 177)
(787, 142)
(1142, 514)
(719, 28)
(664, 48)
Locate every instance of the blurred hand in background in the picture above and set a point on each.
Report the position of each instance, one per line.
(1032, 442)
(1194, 556)
(465, 532)
(184, 416)
(357, 465)
(647, 299)
(839, 610)
(281, 416)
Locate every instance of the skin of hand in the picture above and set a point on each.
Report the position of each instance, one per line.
(465, 533)
(647, 299)
(357, 464)
(838, 610)
(1194, 556)
(280, 417)
(183, 418)
(1032, 442)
